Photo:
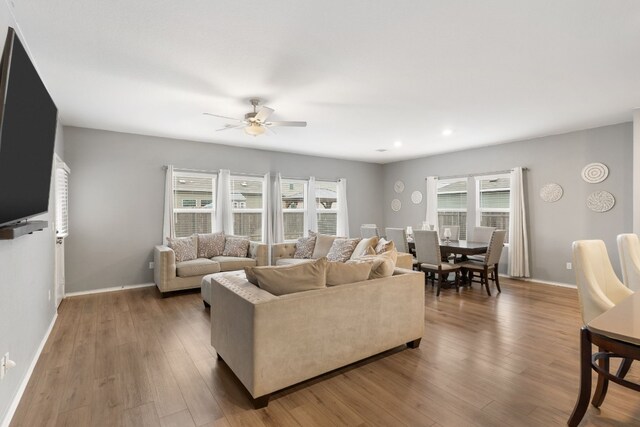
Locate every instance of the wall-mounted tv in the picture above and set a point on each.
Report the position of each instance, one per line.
(28, 118)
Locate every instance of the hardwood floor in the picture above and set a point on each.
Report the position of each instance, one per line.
(132, 358)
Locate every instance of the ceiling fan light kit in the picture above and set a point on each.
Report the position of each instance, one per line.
(255, 122)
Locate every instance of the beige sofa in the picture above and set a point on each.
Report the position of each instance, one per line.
(170, 275)
(282, 254)
(272, 342)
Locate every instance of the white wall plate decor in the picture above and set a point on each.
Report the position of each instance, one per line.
(398, 186)
(416, 197)
(594, 173)
(396, 205)
(551, 192)
(600, 201)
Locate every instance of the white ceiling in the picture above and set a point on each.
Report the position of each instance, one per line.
(362, 73)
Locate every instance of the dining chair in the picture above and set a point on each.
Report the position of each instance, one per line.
(399, 237)
(455, 231)
(599, 289)
(490, 263)
(369, 230)
(430, 259)
(629, 251)
(481, 234)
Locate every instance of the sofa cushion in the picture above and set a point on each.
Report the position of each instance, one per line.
(323, 244)
(196, 267)
(236, 247)
(384, 246)
(292, 261)
(339, 273)
(341, 249)
(185, 248)
(304, 247)
(282, 280)
(210, 245)
(230, 263)
(383, 264)
(363, 246)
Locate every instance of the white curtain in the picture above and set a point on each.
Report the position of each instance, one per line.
(312, 217)
(278, 216)
(167, 226)
(267, 232)
(224, 213)
(432, 201)
(518, 242)
(342, 228)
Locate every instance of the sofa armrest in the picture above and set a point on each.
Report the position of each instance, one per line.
(164, 261)
(282, 250)
(259, 252)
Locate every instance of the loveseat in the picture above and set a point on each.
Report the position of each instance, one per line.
(170, 275)
(272, 342)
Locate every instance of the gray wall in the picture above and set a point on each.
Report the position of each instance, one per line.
(558, 158)
(27, 305)
(117, 191)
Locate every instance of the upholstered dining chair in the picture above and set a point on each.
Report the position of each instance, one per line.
(399, 237)
(455, 231)
(599, 289)
(369, 230)
(488, 268)
(430, 259)
(629, 251)
(481, 234)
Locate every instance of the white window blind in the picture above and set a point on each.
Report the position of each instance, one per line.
(248, 206)
(62, 202)
(294, 207)
(327, 206)
(493, 195)
(193, 203)
(452, 204)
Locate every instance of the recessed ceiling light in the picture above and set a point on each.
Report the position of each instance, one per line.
(447, 132)
(397, 144)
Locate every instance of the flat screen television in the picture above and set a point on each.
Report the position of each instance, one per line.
(28, 119)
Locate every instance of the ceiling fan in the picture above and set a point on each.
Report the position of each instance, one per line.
(255, 123)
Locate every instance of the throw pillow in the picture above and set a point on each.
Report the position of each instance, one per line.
(363, 247)
(304, 247)
(339, 273)
(383, 264)
(341, 249)
(251, 278)
(185, 248)
(210, 245)
(236, 246)
(323, 244)
(288, 279)
(370, 251)
(384, 246)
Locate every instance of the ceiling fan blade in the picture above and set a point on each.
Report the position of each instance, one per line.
(227, 127)
(222, 117)
(294, 124)
(263, 114)
(269, 130)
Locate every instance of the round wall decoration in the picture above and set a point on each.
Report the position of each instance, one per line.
(416, 197)
(551, 192)
(600, 201)
(396, 205)
(398, 186)
(594, 173)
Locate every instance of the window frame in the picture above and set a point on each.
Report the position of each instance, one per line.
(305, 186)
(195, 209)
(479, 209)
(261, 211)
(327, 210)
(465, 209)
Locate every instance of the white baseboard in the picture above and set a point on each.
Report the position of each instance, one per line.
(27, 377)
(544, 282)
(113, 289)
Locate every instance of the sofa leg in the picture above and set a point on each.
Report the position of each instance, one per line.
(261, 402)
(206, 304)
(414, 343)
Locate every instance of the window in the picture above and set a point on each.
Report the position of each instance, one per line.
(327, 206)
(294, 204)
(193, 207)
(62, 201)
(493, 193)
(248, 206)
(452, 204)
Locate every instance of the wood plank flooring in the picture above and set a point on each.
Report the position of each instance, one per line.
(131, 358)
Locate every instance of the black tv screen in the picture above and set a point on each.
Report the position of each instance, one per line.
(28, 119)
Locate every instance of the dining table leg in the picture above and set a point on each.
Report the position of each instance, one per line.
(585, 379)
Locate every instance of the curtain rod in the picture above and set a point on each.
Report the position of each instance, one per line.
(255, 175)
(470, 175)
(307, 178)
